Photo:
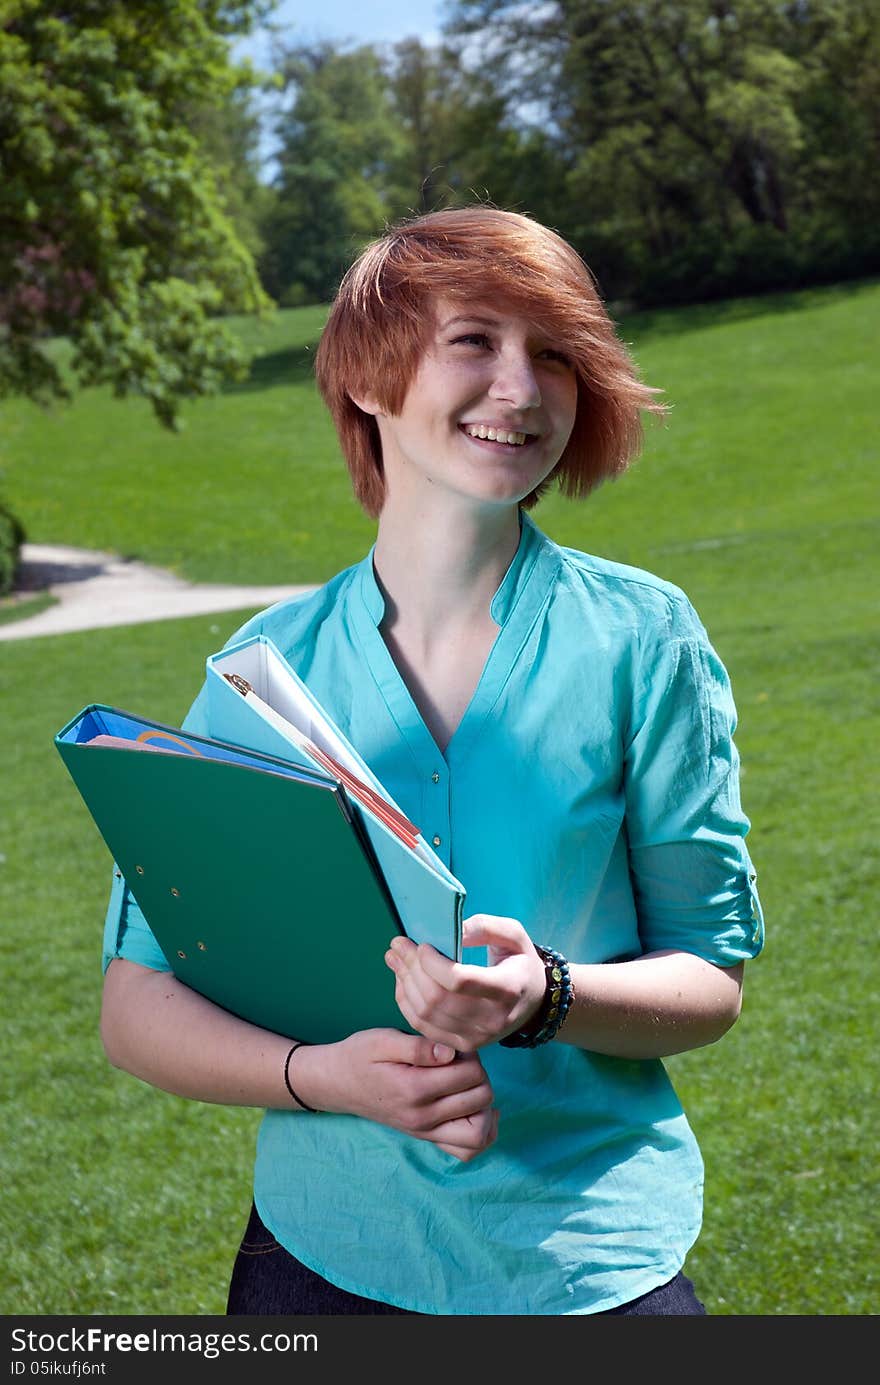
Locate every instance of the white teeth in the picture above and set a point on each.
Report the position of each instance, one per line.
(479, 430)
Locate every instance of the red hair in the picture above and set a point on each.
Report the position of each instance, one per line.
(382, 317)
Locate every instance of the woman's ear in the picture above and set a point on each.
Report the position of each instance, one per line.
(368, 404)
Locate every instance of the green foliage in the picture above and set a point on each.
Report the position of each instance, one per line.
(701, 112)
(688, 150)
(458, 144)
(11, 538)
(229, 134)
(712, 265)
(374, 135)
(337, 144)
(759, 497)
(114, 230)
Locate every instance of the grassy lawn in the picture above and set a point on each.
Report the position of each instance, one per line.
(22, 608)
(758, 496)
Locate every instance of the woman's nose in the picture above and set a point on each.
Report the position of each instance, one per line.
(515, 381)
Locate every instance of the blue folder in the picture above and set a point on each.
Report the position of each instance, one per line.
(255, 873)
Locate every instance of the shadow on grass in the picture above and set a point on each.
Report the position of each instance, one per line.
(665, 321)
(12, 609)
(289, 367)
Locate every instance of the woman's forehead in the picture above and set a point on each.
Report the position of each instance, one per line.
(447, 312)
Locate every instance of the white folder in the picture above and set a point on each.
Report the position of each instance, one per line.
(256, 700)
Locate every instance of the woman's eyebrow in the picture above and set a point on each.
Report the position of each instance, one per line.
(469, 318)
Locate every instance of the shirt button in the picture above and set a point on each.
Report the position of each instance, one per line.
(435, 778)
(436, 841)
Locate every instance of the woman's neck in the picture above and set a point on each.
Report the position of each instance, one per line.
(440, 571)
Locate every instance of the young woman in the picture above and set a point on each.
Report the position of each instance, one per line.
(561, 729)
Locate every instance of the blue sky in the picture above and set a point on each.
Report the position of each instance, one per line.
(365, 21)
(309, 21)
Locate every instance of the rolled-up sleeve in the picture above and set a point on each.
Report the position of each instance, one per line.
(126, 932)
(694, 883)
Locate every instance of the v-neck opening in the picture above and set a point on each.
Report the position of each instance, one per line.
(475, 691)
(514, 617)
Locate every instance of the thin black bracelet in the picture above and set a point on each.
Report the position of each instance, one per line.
(550, 1016)
(298, 1099)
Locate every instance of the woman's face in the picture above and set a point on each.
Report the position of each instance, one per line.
(489, 412)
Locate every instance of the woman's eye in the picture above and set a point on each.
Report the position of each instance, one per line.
(551, 354)
(472, 339)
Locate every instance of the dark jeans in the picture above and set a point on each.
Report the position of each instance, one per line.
(267, 1279)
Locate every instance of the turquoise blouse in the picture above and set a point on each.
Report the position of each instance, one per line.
(592, 792)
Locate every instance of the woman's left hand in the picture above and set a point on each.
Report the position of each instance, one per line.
(466, 1006)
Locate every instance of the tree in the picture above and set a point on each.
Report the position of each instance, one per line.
(462, 137)
(696, 133)
(229, 134)
(339, 144)
(375, 134)
(838, 44)
(114, 231)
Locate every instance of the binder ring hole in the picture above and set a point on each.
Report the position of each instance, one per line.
(181, 954)
(175, 891)
(139, 869)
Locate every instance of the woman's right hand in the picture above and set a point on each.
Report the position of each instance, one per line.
(164, 1033)
(405, 1081)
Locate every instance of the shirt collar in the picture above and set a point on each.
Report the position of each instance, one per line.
(534, 551)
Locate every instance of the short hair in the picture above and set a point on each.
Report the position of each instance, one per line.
(382, 317)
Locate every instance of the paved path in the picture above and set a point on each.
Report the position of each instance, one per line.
(96, 589)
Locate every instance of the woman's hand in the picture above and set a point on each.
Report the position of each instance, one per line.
(466, 1006)
(161, 1031)
(405, 1081)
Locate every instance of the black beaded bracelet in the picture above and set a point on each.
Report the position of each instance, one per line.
(298, 1099)
(547, 1021)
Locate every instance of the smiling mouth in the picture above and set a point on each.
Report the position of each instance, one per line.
(483, 433)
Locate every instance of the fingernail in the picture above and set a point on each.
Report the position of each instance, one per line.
(443, 1053)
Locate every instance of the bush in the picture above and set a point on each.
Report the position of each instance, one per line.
(709, 265)
(12, 536)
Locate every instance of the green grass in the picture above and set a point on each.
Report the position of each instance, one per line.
(759, 497)
(12, 608)
(250, 490)
(119, 1199)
